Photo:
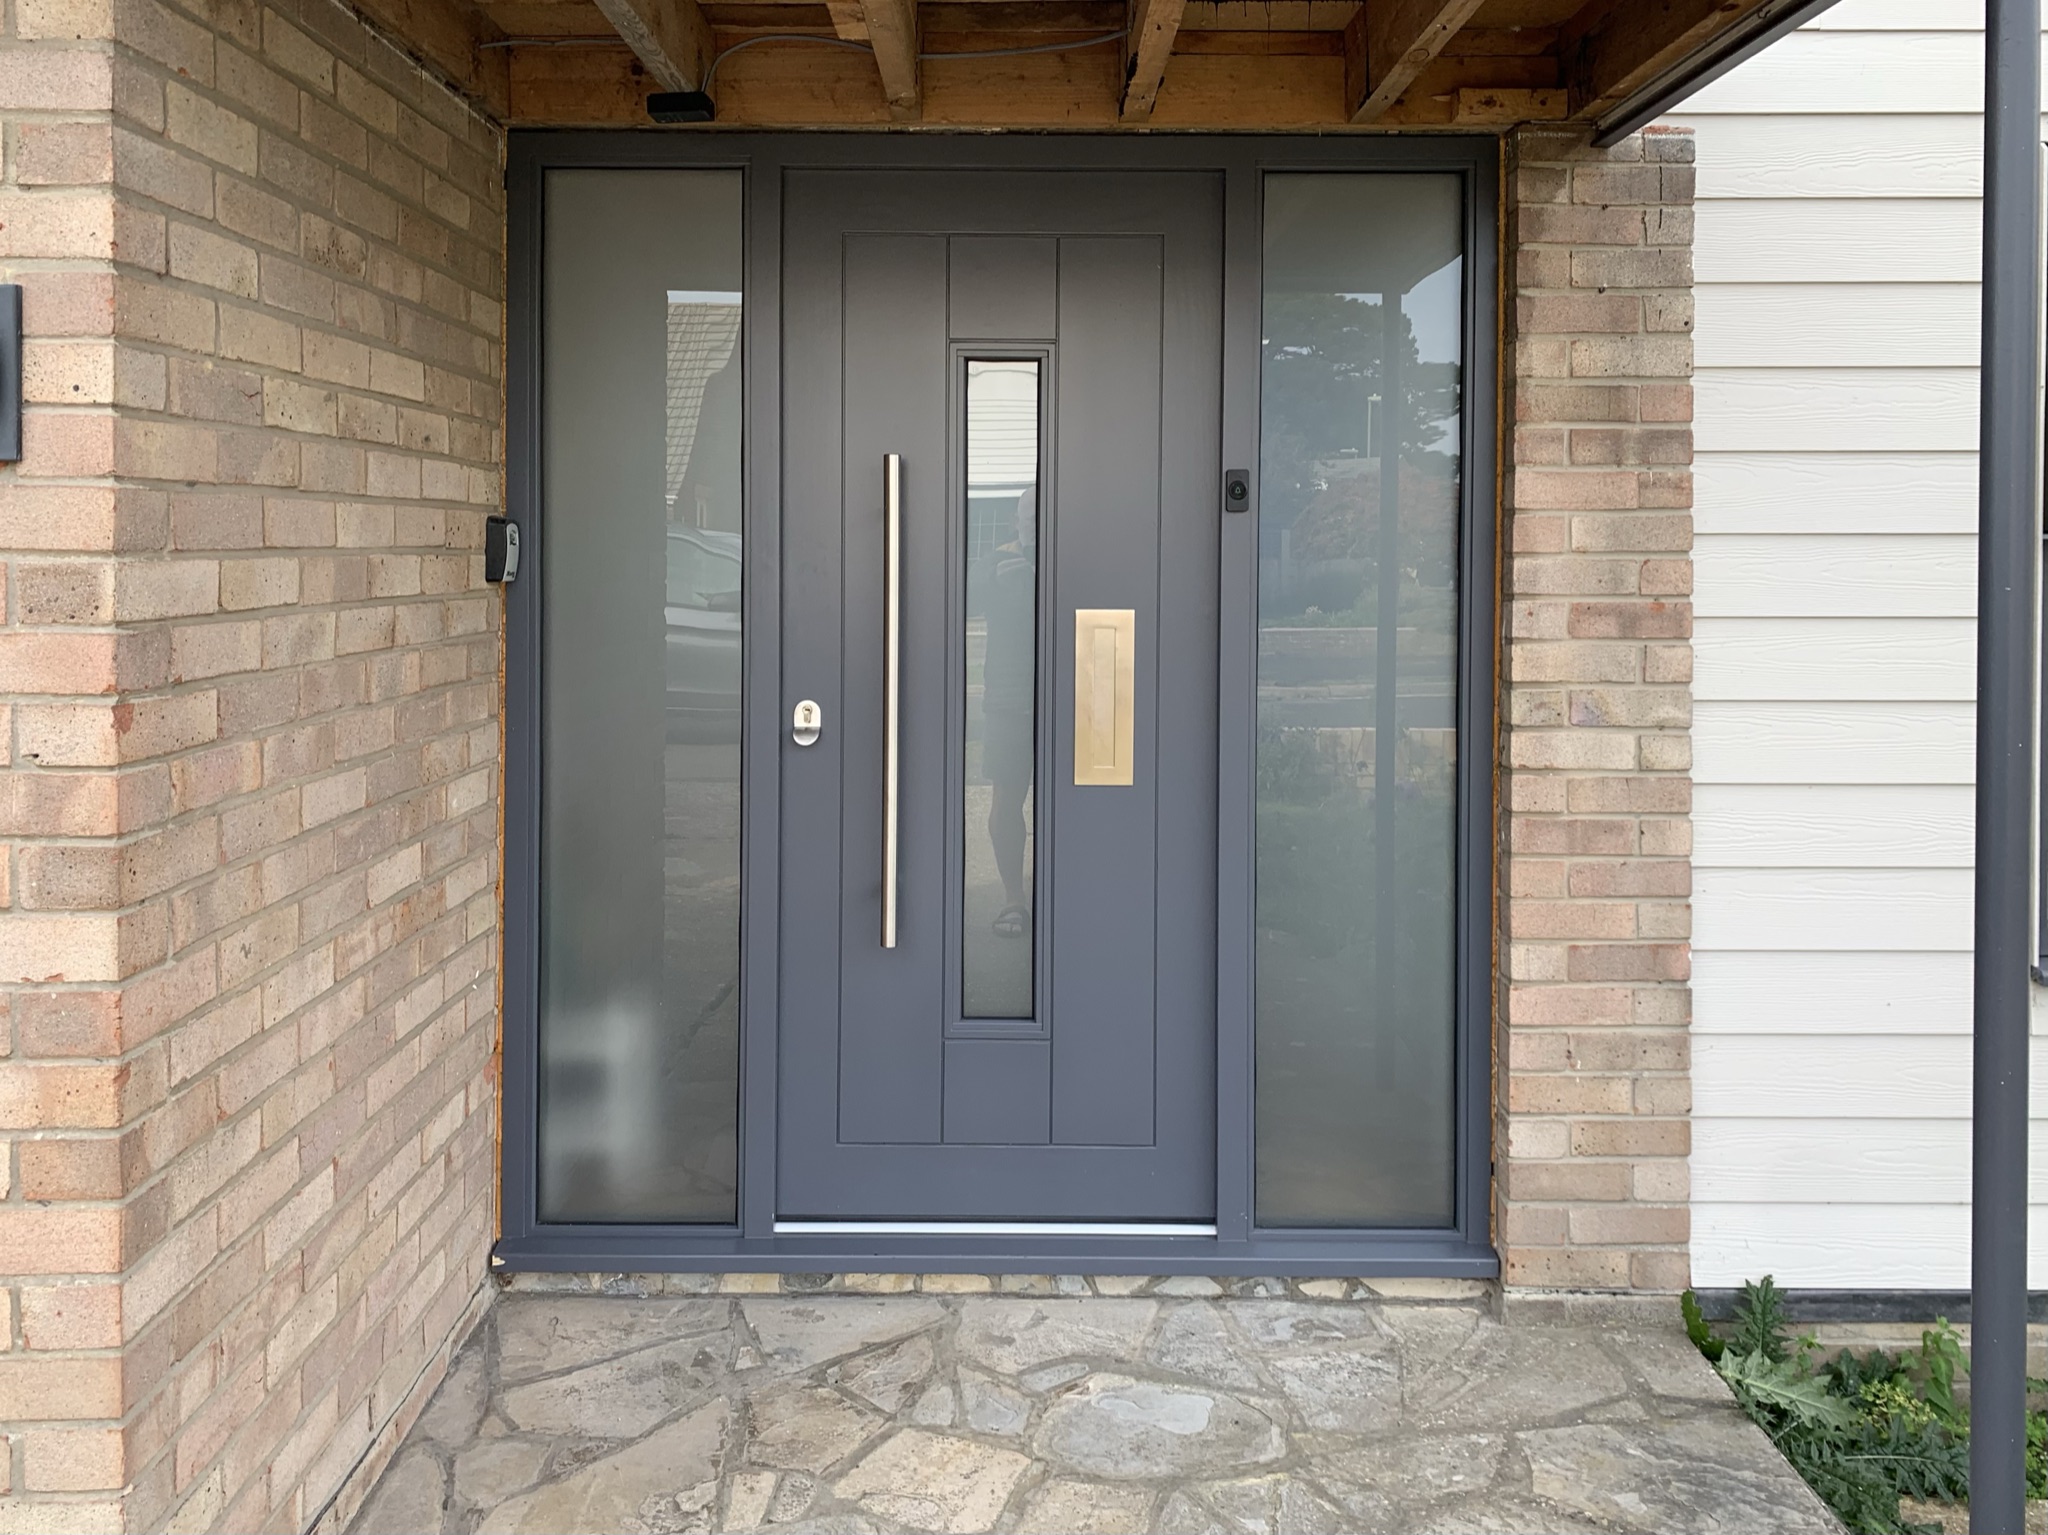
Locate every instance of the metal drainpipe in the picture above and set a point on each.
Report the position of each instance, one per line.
(2008, 549)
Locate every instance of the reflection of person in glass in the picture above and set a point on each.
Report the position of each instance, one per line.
(1007, 577)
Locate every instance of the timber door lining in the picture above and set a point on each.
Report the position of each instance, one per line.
(1238, 1247)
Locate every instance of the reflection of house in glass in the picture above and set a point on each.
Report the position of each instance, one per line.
(703, 515)
(1002, 450)
(703, 331)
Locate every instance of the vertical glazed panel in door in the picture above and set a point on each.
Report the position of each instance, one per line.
(1358, 708)
(638, 1026)
(999, 669)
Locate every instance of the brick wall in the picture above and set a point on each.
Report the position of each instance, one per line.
(248, 716)
(1595, 1084)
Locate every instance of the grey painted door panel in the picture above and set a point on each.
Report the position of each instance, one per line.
(1101, 1107)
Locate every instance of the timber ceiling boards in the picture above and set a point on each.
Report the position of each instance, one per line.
(1282, 64)
(547, 18)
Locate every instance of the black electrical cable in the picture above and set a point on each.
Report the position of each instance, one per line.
(847, 42)
(811, 37)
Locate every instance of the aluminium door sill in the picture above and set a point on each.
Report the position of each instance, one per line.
(990, 1229)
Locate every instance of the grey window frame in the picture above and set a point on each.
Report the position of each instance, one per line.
(1463, 1250)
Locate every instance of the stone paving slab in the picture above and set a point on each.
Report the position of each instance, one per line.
(1096, 1415)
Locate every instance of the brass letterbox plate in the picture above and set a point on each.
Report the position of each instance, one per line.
(1105, 694)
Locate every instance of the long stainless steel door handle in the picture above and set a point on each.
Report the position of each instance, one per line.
(892, 678)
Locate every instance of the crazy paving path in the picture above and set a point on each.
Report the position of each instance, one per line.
(569, 1413)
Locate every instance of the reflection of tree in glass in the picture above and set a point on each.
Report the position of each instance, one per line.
(1315, 838)
(1329, 415)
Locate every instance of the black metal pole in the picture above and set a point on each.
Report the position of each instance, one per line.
(2008, 549)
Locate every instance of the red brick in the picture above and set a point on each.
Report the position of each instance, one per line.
(1570, 1182)
(1631, 1138)
(72, 1316)
(1575, 490)
(57, 663)
(1642, 877)
(1632, 1224)
(1563, 1268)
(59, 1241)
(78, 1387)
(71, 1169)
(1630, 620)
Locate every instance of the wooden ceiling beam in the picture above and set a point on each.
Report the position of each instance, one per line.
(893, 34)
(1390, 42)
(1632, 45)
(671, 37)
(448, 37)
(1153, 26)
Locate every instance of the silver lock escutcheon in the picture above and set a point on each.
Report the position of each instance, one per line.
(804, 723)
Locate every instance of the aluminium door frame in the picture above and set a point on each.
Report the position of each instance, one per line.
(1463, 1250)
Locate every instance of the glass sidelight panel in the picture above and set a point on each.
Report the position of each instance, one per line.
(998, 924)
(1357, 746)
(640, 714)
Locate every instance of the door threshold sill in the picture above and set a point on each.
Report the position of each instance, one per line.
(990, 1229)
(590, 1250)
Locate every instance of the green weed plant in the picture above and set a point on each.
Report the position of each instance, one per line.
(1864, 1429)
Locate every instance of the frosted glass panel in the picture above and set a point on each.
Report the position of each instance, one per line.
(1357, 747)
(998, 927)
(640, 566)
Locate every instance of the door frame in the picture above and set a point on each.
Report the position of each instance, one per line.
(1463, 1250)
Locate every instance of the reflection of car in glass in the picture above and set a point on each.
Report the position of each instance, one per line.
(703, 612)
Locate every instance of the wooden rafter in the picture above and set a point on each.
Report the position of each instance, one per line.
(1632, 45)
(671, 37)
(1390, 42)
(892, 33)
(849, 19)
(1153, 26)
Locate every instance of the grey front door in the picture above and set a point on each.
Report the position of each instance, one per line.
(1032, 1039)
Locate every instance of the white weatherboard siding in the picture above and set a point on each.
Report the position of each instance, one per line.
(1834, 592)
